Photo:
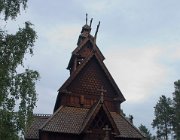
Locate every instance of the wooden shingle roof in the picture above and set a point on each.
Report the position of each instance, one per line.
(75, 120)
(38, 121)
(66, 120)
(77, 72)
(126, 128)
(77, 111)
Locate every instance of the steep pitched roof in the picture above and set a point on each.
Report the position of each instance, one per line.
(66, 120)
(63, 89)
(126, 128)
(91, 39)
(75, 120)
(80, 46)
(75, 73)
(33, 130)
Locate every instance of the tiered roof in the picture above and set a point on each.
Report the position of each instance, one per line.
(81, 106)
(75, 120)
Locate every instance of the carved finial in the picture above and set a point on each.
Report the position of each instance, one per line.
(86, 18)
(131, 118)
(95, 36)
(91, 22)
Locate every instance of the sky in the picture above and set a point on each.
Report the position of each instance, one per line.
(139, 38)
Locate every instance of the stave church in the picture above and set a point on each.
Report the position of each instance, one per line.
(88, 104)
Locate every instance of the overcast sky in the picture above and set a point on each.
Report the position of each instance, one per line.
(140, 40)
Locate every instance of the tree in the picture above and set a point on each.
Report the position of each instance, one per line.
(163, 117)
(176, 109)
(146, 132)
(17, 89)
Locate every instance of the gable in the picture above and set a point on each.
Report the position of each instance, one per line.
(82, 52)
(90, 79)
(99, 118)
(88, 43)
(100, 121)
(85, 83)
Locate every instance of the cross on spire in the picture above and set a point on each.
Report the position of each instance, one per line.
(102, 90)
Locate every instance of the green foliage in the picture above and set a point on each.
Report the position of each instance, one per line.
(146, 132)
(176, 108)
(167, 115)
(11, 8)
(163, 117)
(17, 89)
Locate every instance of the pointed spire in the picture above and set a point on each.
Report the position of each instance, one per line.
(86, 18)
(91, 22)
(95, 36)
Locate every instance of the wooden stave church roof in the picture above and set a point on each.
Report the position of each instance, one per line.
(63, 89)
(74, 120)
(82, 116)
(33, 131)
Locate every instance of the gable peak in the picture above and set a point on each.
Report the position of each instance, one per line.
(86, 45)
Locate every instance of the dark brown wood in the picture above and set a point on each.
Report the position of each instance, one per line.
(91, 91)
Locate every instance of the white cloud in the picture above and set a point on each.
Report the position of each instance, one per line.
(46, 100)
(139, 72)
(136, 71)
(63, 35)
(96, 6)
(176, 52)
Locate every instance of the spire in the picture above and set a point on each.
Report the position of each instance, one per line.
(91, 22)
(85, 32)
(95, 36)
(86, 18)
(86, 27)
(85, 39)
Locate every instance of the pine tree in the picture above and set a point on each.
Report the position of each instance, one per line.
(176, 108)
(163, 117)
(146, 132)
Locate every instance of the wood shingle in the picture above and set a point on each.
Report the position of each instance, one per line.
(88, 104)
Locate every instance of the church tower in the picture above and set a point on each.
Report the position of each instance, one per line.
(89, 77)
(88, 104)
